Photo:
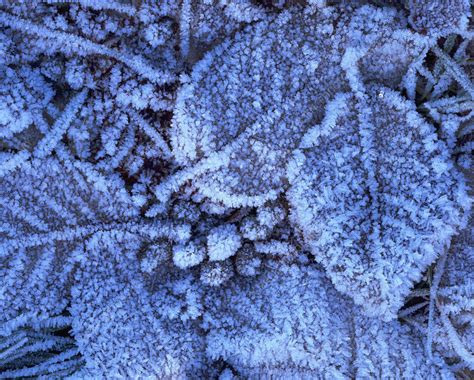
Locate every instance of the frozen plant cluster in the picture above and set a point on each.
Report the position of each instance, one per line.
(236, 189)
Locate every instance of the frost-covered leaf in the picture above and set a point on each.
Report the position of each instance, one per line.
(47, 209)
(386, 48)
(322, 333)
(391, 350)
(454, 336)
(248, 102)
(250, 320)
(108, 105)
(376, 196)
(440, 16)
(119, 328)
(205, 23)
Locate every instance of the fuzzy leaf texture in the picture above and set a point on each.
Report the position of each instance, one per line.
(267, 86)
(324, 335)
(376, 197)
(53, 207)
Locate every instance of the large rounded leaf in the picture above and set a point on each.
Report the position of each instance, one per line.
(376, 197)
(291, 323)
(247, 104)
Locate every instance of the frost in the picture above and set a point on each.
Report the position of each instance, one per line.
(454, 325)
(103, 58)
(53, 208)
(267, 86)
(24, 94)
(36, 348)
(439, 16)
(248, 262)
(233, 189)
(203, 23)
(223, 242)
(297, 308)
(117, 325)
(189, 255)
(216, 273)
(376, 197)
